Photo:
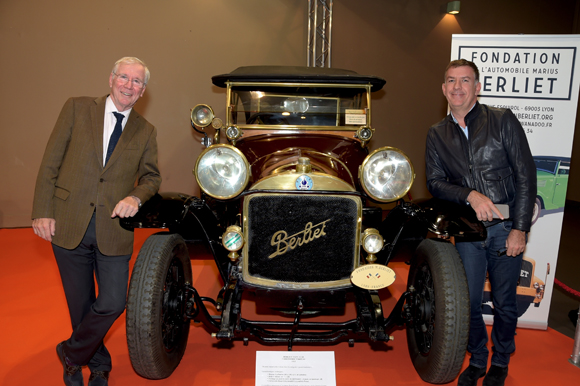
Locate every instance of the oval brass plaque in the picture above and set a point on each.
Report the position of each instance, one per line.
(373, 276)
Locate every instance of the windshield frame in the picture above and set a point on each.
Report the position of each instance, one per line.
(230, 106)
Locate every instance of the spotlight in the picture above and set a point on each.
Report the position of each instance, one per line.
(453, 7)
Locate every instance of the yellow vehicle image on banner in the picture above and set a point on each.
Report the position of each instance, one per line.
(530, 288)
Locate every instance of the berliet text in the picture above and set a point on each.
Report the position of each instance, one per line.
(284, 243)
(523, 72)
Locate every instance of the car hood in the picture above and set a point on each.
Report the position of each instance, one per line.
(334, 155)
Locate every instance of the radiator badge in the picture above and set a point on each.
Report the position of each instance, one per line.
(373, 276)
(285, 243)
(304, 182)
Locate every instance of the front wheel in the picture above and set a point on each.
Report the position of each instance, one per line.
(438, 331)
(157, 328)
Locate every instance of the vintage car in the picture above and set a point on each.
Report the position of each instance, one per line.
(552, 174)
(530, 288)
(291, 210)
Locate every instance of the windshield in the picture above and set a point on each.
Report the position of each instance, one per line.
(330, 108)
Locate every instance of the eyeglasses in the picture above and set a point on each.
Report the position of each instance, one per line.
(124, 79)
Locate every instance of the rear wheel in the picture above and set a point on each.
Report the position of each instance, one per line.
(157, 328)
(438, 332)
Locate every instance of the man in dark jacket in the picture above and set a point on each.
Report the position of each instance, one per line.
(479, 156)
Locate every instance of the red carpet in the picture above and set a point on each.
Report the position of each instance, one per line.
(34, 318)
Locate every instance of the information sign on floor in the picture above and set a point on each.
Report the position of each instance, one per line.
(291, 368)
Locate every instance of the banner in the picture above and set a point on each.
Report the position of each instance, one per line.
(537, 77)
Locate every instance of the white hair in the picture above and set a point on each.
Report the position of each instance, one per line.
(132, 60)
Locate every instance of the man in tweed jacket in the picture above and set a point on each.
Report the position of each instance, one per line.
(86, 183)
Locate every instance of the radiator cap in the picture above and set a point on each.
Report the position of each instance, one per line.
(373, 276)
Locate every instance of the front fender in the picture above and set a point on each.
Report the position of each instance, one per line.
(165, 210)
(447, 218)
(410, 222)
(186, 215)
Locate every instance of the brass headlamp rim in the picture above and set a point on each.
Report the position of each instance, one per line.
(243, 158)
(371, 258)
(233, 229)
(369, 157)
(196, 108)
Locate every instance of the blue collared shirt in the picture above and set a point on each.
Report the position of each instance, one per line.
(462, 128)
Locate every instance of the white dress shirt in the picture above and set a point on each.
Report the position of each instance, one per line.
(110, 122)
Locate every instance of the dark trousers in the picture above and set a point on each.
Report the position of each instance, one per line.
(480, 258)
(92, 316)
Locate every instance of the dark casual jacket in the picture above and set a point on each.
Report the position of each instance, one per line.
(495, 160)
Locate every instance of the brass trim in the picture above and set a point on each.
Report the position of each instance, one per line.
(216, 136)
(299, 285)
(337, 160)
(364, 128)
(233, 229)
(229, 121)
(369, 123)
(303, 165)
(371, 257)
(368, 157)
(366, 86)
(298, 128)
(343, 134)
(287, 181)
(237, 151)
(229, 104)
(363, 140)
(195, 108)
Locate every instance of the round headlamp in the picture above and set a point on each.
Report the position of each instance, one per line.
(233, 133)
(386, 174)
(233, 239)
(364, 133)
(372, 241)
(222, 171)
(202, 115)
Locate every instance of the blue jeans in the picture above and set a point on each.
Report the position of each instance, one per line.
(479, 258)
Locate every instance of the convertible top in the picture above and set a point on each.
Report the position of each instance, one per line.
(297, 74)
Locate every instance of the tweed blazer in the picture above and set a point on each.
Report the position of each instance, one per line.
(72, 183)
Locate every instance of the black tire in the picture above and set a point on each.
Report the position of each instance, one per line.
(157, 328)
(438, 333)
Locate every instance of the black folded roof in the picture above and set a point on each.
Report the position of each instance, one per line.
(297, 74)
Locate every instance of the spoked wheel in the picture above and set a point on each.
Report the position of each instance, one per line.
(438, 332)
(157, 328)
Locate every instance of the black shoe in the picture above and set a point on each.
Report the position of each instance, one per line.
(495, 376)
(73, 375)
(99, 378)
(470, 376)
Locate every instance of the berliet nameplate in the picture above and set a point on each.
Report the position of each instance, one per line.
(284, 243)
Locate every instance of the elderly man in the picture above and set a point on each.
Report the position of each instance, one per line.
(100, 165)
(479, 156)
